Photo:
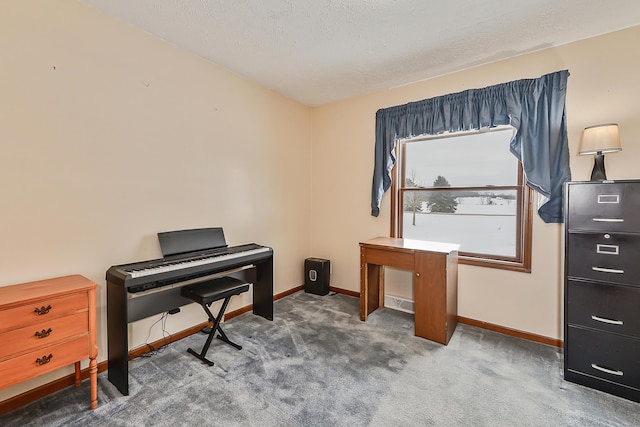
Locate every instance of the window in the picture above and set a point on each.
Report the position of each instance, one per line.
(465, 188)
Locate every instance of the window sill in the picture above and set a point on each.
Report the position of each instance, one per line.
(522, 267)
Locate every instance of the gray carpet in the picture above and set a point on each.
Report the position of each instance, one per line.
(316, 364)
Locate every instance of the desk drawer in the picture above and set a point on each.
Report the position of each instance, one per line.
(609, 257)
(25, 339)
(609, 308)
(392, 258)
(606, 356)
(50, 307)
(22, 368)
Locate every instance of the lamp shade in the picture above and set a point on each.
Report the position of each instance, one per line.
(600, 139)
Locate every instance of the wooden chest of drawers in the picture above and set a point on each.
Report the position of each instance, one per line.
(46, 325)
(602, 286)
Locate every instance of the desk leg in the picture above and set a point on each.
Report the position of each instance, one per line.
(430, 306)
(371, 288)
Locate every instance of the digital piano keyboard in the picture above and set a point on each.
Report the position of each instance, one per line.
(142, 276)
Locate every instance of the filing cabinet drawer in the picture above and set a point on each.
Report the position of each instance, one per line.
(605, 307)
(604, 206)
(609, 257)
(606, 356)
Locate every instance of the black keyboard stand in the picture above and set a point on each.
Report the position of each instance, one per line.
(207, 292)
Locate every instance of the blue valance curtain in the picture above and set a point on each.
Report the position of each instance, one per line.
(534, 107)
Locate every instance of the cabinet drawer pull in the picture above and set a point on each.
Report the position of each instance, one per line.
(608, 219)
(607, 270)
(607, 249)
(609, 321)
(44, 333)
(609, 198)
(46, 359)
(42, 310)
(608, 371)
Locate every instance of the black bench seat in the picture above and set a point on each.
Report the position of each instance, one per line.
(207, 292)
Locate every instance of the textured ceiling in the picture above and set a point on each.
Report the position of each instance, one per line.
(319, 51)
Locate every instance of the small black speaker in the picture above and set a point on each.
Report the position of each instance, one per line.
(316, 276)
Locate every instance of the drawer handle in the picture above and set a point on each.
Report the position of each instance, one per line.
(44, 333)
(608, 219)
(44, 360)
(607, 270)
(609, 321)
(609, 198)
(607, 249)
(608, 371)
(42, 310)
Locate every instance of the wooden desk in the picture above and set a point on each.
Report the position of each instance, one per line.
(435, 283)
(46, 325)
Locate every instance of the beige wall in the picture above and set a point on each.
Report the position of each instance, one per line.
(603, 87)
(108, 135)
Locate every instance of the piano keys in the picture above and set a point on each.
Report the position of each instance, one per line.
(197, 261)
(141, 276)
(141, 289)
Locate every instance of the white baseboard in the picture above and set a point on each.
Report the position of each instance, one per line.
(398, 303)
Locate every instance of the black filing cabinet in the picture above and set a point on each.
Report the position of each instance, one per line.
(602, 286)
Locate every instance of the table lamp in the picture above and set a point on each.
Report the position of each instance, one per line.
(598, 140)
